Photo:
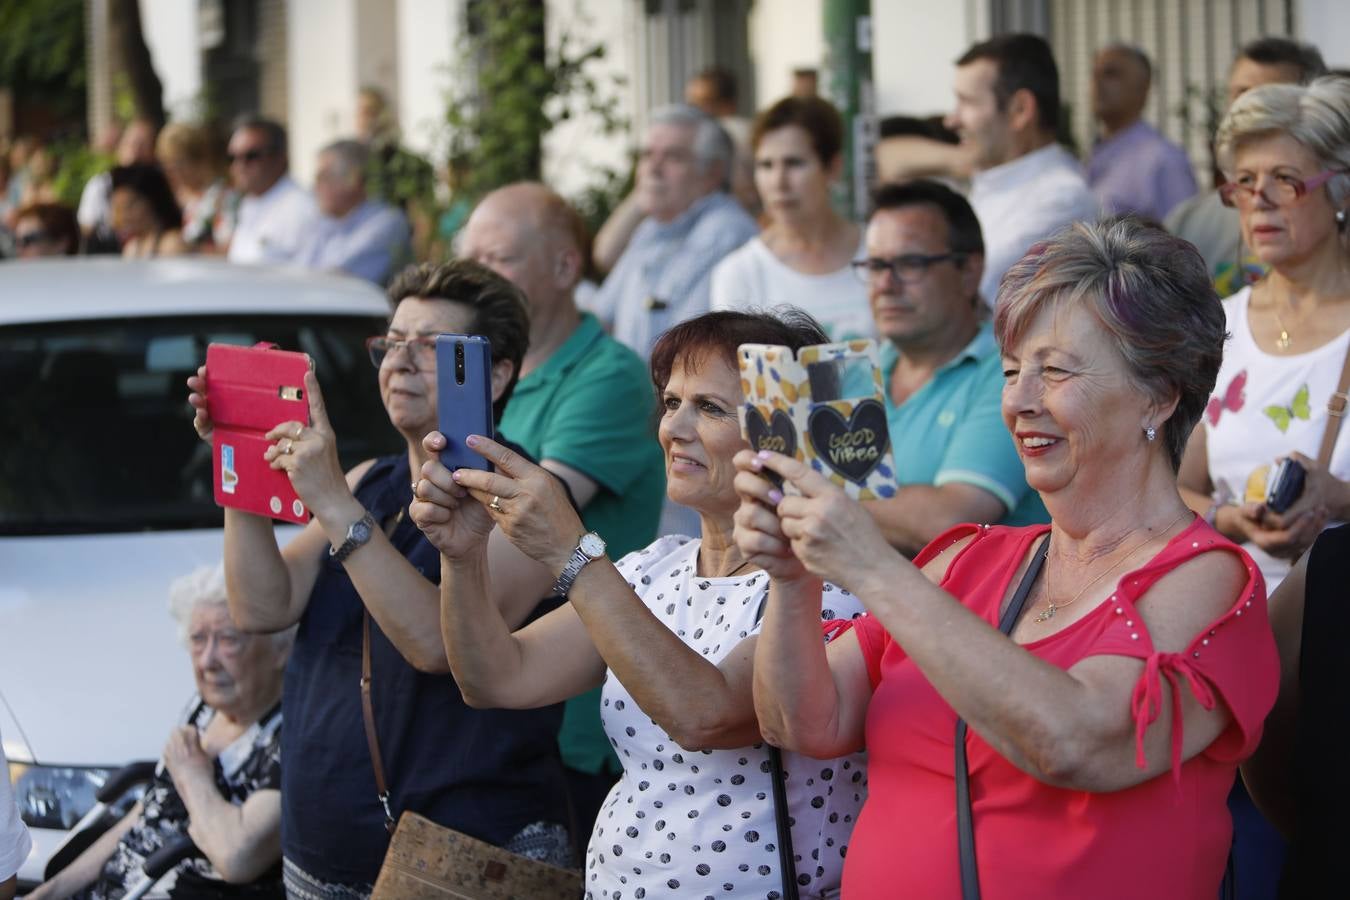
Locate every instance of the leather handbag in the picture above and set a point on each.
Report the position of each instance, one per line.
(427, 861)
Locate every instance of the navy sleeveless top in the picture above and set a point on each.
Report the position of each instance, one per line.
(486, 772)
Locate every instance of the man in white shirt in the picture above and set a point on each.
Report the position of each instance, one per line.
(276, 213)
(354, 234)
(1025, 186)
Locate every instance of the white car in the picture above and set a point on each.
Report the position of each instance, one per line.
(105, 494)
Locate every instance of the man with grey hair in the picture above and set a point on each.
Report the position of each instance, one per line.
(275, 212)
(690, 222)
(353, 234)
(1133, 168)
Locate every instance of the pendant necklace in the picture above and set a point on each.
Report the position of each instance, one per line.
(1051, 607)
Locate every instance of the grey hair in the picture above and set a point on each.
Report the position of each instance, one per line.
(205, 586)
(1151, 292)
(352, 156)
(1316, 115)
(712, 145)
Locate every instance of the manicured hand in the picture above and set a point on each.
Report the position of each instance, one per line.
(833, 536)
(526, 501)
(454, 523)
(308, 456)
(759, 533)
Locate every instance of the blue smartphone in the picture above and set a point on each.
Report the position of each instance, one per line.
(463, 397)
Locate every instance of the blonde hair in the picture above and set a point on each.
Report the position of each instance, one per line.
(1316, 115)
(1152, 294)
(179, 142)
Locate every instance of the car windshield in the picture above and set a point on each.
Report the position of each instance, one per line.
(98, 434)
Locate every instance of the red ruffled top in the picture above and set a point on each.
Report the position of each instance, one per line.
(1165, 838)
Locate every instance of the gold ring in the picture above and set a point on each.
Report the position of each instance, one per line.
(414, 487)
(289, 447)
(495, 506)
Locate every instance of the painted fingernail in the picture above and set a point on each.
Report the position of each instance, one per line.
(776, 496)
(455, 475)
(764, 454)
(757, 464)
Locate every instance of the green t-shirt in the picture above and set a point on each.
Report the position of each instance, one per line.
(591, 406)
(951, 430)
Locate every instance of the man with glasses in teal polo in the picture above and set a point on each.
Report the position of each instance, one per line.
(941, 369)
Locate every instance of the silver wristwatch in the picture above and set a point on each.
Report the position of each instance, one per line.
(357, 534)
(591, 547)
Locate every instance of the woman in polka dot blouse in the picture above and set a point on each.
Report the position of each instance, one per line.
(670, 632)
(1105, 732)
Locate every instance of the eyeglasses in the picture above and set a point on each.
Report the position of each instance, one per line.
(247, 156)
(31, 239)
(907, 269)
(1280, 190)
(422, 350)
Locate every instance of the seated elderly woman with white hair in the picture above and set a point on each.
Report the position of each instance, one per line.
(219, 780)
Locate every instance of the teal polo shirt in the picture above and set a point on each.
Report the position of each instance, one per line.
(951, 430)
(590, 406)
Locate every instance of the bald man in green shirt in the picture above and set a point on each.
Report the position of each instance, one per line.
(584, 407)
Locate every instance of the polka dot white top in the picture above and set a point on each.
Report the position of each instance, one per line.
(698, 824)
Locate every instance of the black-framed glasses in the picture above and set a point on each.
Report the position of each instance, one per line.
(1280, 190)
(907, 269)
(422, 350)
(247, 156)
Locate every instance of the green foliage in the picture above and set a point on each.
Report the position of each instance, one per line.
(400, 177)
(42, 52)
(76, 163)
(512, 90)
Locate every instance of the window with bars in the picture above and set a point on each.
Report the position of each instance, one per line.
(1192, 43)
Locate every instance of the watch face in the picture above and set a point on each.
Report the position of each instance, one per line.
(592, 545)
(361, 531)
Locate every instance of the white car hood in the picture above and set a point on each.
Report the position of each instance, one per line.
(91, 667)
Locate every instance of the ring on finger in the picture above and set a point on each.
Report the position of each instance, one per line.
(495, 505)
(289, 447)
(299, 430)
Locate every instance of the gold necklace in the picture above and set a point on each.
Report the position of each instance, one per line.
(1283, 341)
(1051, 607)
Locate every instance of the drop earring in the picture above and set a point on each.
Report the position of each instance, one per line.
(1340, 217)
(1150, 433)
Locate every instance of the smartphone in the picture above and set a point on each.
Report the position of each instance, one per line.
(1285, 485)
(463, 397)
(249, 391)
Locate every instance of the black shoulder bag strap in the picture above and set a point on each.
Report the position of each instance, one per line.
(965, 826)
(787, 862)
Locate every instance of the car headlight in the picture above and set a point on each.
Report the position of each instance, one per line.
(55, 796)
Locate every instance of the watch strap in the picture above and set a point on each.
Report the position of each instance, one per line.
(569, 574)
(354, 538)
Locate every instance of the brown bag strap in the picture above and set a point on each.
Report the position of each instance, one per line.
(368, 714)
(1336, 406)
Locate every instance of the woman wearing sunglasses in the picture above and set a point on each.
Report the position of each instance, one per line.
(1286, 152)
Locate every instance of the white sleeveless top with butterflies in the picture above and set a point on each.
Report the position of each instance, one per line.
(1266, 406)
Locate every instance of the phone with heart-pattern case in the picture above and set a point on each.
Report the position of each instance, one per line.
(823, 406)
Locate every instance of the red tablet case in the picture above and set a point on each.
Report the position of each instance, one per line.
(249, 391)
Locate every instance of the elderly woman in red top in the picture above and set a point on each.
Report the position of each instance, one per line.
(1105, 730)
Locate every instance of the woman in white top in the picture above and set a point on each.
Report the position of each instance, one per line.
(1286, 151)
(668, 631)
(802, 256)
